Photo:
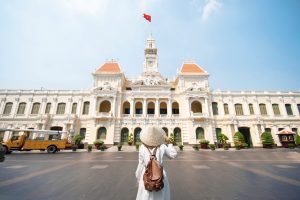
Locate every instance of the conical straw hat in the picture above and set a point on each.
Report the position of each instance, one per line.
(153, 136)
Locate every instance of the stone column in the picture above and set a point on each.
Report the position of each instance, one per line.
(43, 106)
(69, 106)
(257, 137)
(2, 105)
(79, 106)
(144, 107)
(29, 107)
(282, 107)
(169, 112)
(236, 129)
(15, 107)
(207, 107)
(132, 107)
(94, 111)
(156, 107)
(230, 137)
(275, 136)
(245, 107)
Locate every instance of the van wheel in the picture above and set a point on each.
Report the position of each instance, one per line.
(51, 149)
(7, 151)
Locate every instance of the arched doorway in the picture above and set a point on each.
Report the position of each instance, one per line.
(137, 132)
(177, 135)
(166, 130)
(124, 135)
(200, 133)
(101, 134)
(247, 136)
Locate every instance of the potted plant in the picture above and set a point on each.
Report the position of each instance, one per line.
(137, 146)
(238, 140)
(204, 144)
(130, 139)
(196, 147)
(119, 147)
(222, 140)
(102, 147)
(226, 146)
(267, 140)
(90, 147)
(181, 147)
(298, 140)
(212, 147)
(98, 144)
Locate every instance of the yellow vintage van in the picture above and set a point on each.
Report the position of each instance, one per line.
(28, 139)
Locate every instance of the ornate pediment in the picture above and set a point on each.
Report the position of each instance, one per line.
(104, 87)
(150, 80)
(196, 87)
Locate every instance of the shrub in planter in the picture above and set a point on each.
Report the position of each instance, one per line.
(196, 147)
(102, 147)
(267, 140)
(298, 140)
(204, 144)
(98, 144)
(90, 147)
(212, 147)
(130, 139)
(77, 139)
(137, 146)
(181, 147)
(222, 138)
(226, 146)
(238, 140)
(119, 147)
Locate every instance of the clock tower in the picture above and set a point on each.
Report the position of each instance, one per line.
(150, 63)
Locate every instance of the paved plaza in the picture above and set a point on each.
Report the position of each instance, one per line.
(246, 174)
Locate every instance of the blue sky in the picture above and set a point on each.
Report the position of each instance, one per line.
(242, 44)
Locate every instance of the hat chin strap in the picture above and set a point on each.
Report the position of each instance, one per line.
(151, 147)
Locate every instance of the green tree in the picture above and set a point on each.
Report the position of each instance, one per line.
(267, 138)
(222, 138)
(130, 139)
(238, 139)
(298, 139)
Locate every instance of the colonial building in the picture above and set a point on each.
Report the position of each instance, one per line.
(116, 106)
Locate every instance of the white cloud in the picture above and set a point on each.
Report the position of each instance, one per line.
(91, 7)
(210, 7)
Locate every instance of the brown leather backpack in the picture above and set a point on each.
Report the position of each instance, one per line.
(153, 176)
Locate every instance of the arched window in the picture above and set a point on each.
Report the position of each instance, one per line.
(177, 135)
(82, 132)
(163, 108)
(137, 132)
(175, 108)
(238, 109)
(263, 109)
(166, 130)
(47, 110)
(105, 106)
(215, 108)
(74, 108)
(86, 108)
(288, 108)
(21, 109)
(196, 107)
(61, 108)
(7, 109)
(138, 108)
(226, 110)
(150, 108)
(126, 107)
(35, 108)
(124, 135)
(101, 133)
(200, 133)
(276, 109)
(251, 110)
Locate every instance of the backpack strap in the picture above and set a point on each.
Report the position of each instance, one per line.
(152, 156)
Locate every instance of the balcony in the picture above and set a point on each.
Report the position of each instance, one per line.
(138, 115)
(198, 115)
(125, 115)
(103, 115)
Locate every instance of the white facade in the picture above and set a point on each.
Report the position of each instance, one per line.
(116, 105)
